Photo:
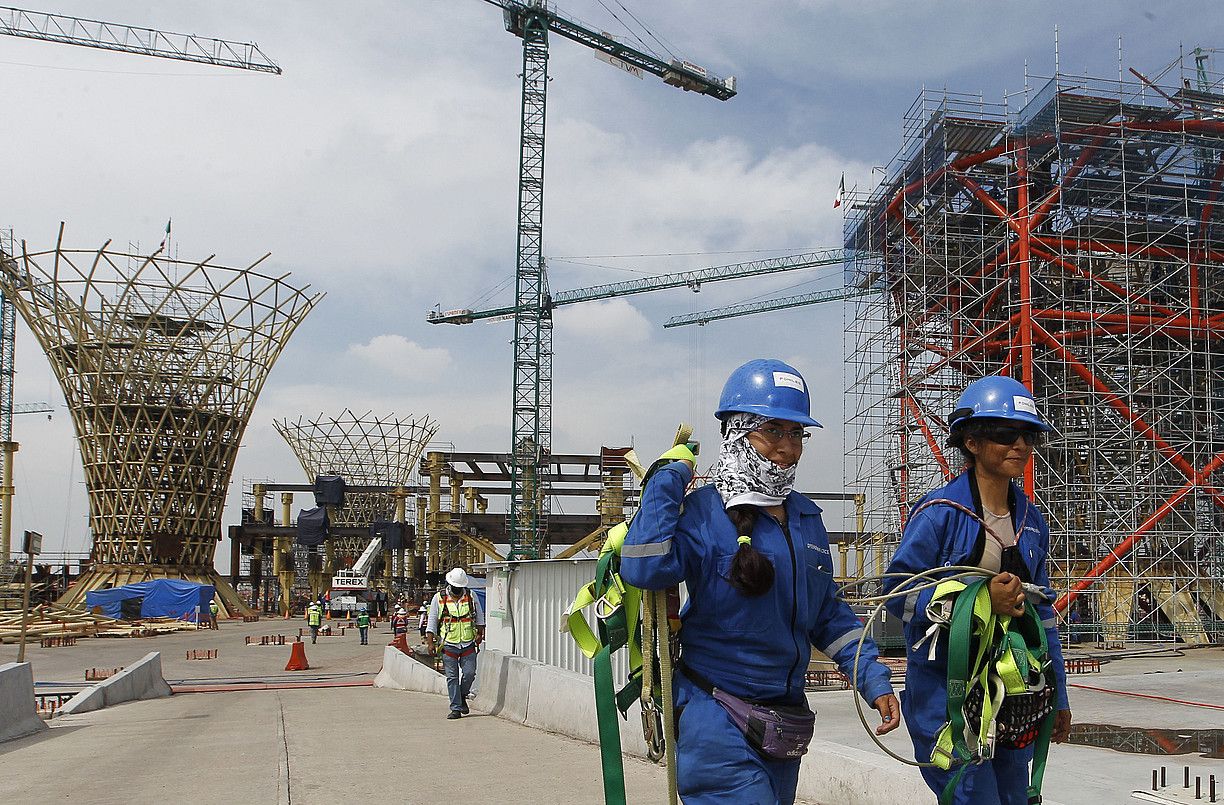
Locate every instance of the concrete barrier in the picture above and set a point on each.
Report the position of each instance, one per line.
(564, 702)
(831, 772)
(505, 683)
(401, 672)
(141, 680)
(18, 716)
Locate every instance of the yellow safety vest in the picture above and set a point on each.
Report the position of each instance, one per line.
(314, 616)
(457, 619)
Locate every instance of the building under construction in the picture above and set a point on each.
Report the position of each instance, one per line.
(160, 361)
(1069, 237)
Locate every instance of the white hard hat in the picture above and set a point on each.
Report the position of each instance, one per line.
(457, 578)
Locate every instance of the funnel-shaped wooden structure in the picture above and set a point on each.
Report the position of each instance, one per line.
(160, 361)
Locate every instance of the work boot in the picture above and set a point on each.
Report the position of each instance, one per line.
(454, 714)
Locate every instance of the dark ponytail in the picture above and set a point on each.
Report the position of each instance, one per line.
(752, 573)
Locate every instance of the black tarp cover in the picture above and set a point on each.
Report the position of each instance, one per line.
(392, 534)
(329, 490)
(312, 525)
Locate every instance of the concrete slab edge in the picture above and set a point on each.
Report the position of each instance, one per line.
(18, 716)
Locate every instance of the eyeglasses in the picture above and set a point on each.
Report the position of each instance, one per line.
(1008, 434)
(773, 434)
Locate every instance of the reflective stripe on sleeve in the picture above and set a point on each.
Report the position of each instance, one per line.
(1050, 623)
(840, 643)
(648, 549)
(911, 602)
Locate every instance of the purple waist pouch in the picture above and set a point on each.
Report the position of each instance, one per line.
(779, 732)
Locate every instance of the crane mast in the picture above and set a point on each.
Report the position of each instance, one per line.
(531, 431)
(112, 36)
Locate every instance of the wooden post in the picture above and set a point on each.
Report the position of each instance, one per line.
(33, 545)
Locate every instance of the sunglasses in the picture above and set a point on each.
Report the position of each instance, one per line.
(1008, 434)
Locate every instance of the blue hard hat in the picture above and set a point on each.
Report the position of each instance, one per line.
(997, 397)
(771, 388)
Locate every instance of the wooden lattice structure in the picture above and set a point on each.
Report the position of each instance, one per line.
(365, 450)
(160, 361)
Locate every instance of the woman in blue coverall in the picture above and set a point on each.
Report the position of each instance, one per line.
(755, 558)
(995, 427)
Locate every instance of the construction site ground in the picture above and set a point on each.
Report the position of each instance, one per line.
(324, 735)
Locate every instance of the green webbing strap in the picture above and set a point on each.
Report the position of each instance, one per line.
(974, 602)
(609, 730)
(1040, 753)
(959, 674)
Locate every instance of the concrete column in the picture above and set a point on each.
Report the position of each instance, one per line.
(6, 494)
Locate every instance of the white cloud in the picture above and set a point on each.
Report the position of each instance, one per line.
(612, 323)
(395, 355)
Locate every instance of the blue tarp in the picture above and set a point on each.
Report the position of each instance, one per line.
(162, 598)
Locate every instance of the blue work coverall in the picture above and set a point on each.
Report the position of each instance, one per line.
(939, 536)
(755, 648)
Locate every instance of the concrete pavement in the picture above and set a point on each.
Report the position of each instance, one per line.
(302, 747)
(328, 745)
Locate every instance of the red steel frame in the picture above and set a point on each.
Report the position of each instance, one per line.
(1007, 332)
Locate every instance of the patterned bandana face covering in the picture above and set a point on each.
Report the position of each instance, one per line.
(744, 476)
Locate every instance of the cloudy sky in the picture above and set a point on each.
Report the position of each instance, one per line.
(381, 168)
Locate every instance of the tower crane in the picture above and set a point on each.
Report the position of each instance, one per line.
(682, 279)
(84, 32)
(704, 317)
(531, 431)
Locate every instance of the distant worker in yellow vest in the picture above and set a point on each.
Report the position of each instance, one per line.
(213, 609)
(456, 616)
(314, 618)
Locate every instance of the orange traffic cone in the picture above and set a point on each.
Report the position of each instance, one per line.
(401, 642)
(297, 658)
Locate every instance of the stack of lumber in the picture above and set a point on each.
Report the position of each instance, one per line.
(53, 620)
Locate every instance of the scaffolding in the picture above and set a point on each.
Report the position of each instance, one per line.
(160, 362)
(1067, 236)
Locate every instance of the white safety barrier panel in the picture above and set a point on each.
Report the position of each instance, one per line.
(142, 680)
(17, 714)
(401, 672)
(505, 683)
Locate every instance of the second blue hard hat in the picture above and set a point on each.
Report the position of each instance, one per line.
(770, 388)
(997, 397)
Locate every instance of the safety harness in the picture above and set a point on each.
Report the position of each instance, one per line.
(1001, 682)
(644, 623)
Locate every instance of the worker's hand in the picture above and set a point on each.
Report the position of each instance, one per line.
(1062, 726)
(1006, 595)
(890, 713)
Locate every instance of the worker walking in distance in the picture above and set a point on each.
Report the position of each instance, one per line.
(314, 619)
(755, 557)
(422, 619)
(363, 626)
(457, 620)
(213, 609)
(981, 518)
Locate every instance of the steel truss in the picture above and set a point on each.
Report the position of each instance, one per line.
(1073, 244)
(160, 362)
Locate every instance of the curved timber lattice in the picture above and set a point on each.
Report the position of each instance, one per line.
(365, 450)
(160, 361)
